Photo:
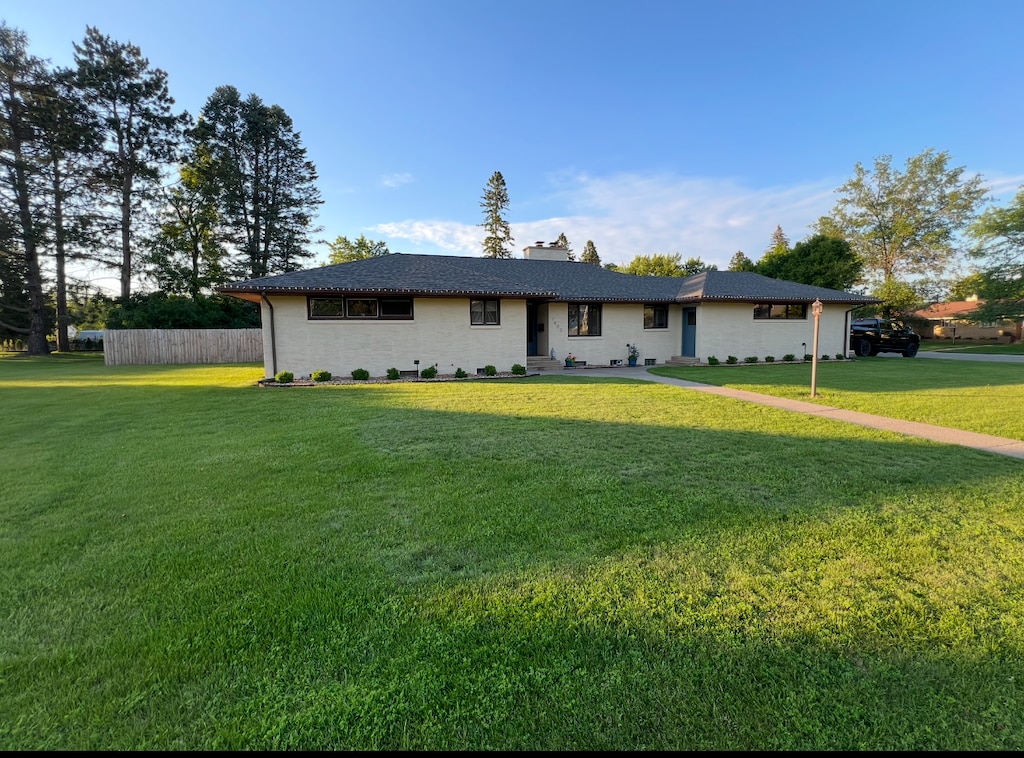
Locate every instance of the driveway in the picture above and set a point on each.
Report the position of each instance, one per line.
(954, 356)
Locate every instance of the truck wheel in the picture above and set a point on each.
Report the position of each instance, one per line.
(864, 348)
(911, 350)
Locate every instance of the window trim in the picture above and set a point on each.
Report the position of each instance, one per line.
(655, 308)
(774, 308)
(483, 311)
(598, 309)
(343, 314)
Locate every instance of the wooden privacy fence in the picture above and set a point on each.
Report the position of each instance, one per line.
(135, 347)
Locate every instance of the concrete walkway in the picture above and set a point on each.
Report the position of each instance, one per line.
(985, 442)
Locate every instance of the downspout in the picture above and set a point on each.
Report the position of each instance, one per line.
(846, 334)
(273, 339)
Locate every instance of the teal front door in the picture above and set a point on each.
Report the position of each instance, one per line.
(689, 332)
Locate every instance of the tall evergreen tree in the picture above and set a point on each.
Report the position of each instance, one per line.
(740, 262)
(590, 254)
(262, 178)
(132, 105)
(563, 241)
(23, 218)
(495, 203)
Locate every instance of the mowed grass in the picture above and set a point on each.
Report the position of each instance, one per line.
(976, 396)
(194, 563)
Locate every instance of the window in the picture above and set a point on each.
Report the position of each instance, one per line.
(584, 320)
(362, 307)
(780, 311)
(484, 312)
(655, 317)
(359, 307)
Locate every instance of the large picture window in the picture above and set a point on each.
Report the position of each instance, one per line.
(584, 320)
(765, 311)
(656, 316)
(484, 312)
(359, 307)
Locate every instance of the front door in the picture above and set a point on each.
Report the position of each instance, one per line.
(689, 332)
(531, 329)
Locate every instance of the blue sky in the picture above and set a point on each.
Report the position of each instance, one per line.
(646, 126)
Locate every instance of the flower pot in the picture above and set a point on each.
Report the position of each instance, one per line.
(632, 361)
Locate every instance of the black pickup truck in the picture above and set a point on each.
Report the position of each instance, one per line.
(871, 336)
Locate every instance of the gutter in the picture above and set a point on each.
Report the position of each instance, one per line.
(273, 338)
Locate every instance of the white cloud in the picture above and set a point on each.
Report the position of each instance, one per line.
(632, 214)
(396, 180)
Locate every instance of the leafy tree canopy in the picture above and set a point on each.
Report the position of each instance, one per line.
(999, 245)
(902, 223)
(660, 264)
(740, 262)
(344, 250)
(820, 261)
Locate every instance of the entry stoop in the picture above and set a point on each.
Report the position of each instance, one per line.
(682, 360)
(543, 363)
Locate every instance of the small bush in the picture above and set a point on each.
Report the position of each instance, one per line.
(393, 373)
(429, 372)
(808, 357)
(460, 374)
(360, 373)
(769, 359)
(713, 361)
(518, 368)
(284, 377)
(320, 376)
(789, 357)
(751, 359)
(732, 359)
(824, 357)
(840, 357)
(489, 370)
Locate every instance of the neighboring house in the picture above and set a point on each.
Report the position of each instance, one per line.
(412, 311)
(947, 321)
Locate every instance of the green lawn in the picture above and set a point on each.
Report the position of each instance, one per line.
(965, 346)
(561, 563)
(970, 395)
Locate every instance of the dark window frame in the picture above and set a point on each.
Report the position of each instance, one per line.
(481, 319)
(341, 309)
(656, 310)
(591, 309)
(780, 311)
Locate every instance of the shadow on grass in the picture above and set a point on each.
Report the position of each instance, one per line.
(623, 566)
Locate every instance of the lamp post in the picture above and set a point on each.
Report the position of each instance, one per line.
(816, 309)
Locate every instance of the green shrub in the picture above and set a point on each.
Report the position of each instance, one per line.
(732, 359)
(824, 357)
(840, 357)
(460, 374)
(789, 357)
(751, 359)
(808, 357)
(360, 373)
(320, 376)
(769, 359)
(489, 370)
(518, 368)
(393, 373)
(429, 372)
(713, 361)
(284, 377)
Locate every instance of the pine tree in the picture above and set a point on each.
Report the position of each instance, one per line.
(590, 254)
(495, 203)
(563, 241)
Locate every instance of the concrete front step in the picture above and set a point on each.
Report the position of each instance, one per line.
(682, 360)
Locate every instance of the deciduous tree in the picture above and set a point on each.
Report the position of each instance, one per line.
(904, 223)
(740, 262)
(820, 261)
(344, 250)
(999, 247)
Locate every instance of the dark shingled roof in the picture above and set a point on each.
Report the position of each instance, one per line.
(444, 275)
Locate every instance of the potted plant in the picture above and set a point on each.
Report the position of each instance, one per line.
(634, 354)
(570, 361)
